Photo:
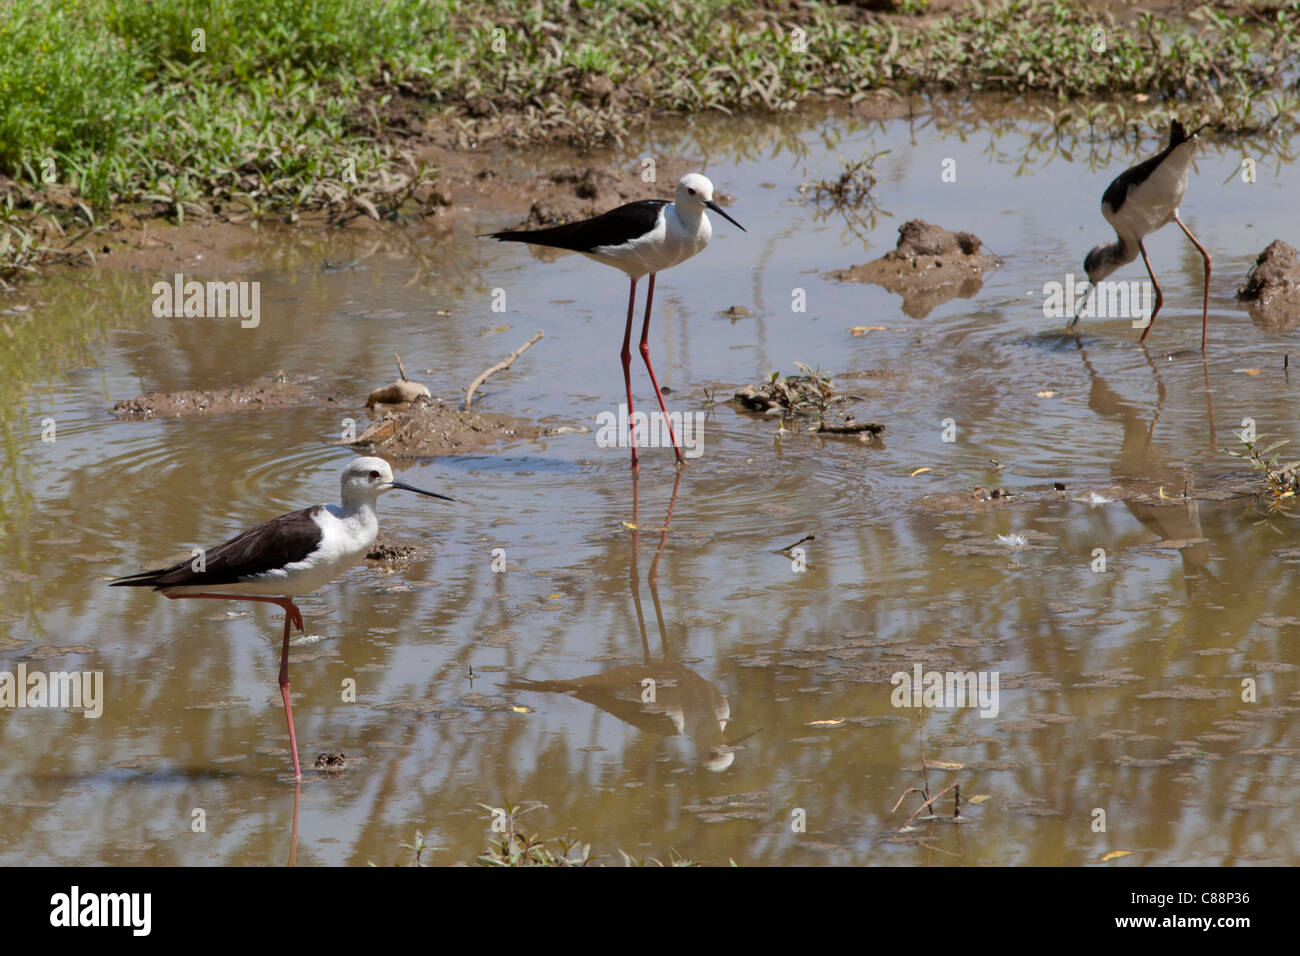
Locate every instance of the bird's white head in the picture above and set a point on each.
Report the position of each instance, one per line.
(365, 479)
(695, 194)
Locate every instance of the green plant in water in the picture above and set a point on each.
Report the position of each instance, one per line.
(515, 848)
(1281, 478)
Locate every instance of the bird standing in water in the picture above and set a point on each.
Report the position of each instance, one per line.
(641, 238)
(1138, 202)
(287, 556)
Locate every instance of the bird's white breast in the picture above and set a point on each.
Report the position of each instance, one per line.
(345, 539)
(672, 241)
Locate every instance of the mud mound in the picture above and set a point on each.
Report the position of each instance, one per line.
(425, 429)
(1272, 288)
(929, 267)
(271, 393)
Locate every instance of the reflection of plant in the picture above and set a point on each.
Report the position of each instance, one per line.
(1282, 479)
(849, 195)
(852, 188)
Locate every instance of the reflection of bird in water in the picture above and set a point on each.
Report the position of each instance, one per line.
(680, 701)
(1140, 456)
(684, 702)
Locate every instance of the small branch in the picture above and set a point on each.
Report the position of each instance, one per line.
(401, 369)
(928, 803)
(904, 797)
(499, 367)
(807, 537)
(925, 770)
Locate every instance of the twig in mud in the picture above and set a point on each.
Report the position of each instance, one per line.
(401, 369)
(499, 367)
(807, 537)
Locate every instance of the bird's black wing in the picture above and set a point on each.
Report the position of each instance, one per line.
(612, 228)
(1118, 190)
(272, 545)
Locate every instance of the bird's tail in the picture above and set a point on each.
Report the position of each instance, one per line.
(1178, 133)
(558, 237)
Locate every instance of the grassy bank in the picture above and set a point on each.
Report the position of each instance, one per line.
(245, 108)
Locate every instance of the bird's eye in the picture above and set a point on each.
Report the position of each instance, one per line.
(374, 475)
(691, 191)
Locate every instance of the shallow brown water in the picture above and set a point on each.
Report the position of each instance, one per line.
(1119, 690)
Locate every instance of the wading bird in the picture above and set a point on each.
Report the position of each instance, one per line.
(285, 557)
(1138, 202)
(643, 237)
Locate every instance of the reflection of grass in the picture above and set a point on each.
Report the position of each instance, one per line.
(849, 194)
(851, 188)
(274, 106)
(1281, 478)
(63, 331)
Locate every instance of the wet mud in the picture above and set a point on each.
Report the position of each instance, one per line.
(929, 266)
(1272, 289)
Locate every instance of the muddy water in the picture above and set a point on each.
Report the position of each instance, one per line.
(1119, 690)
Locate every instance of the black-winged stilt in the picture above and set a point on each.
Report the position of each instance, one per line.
(1140, 201)
(643, 237)
(287, 556)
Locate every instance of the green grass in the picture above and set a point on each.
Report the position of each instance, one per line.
(288, 98)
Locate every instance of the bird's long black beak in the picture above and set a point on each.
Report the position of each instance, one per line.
(1079, 311)
(718, 209)
(420, 491)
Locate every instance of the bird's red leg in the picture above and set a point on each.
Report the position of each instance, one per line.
(1160, 297)
(645, 354)
(291, 614)
(627, 368)
(1205, 308)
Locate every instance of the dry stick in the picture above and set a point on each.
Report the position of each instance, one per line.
(401, 369)
(807, 537)
(927, 803)
(499, 367)
(925, 772)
